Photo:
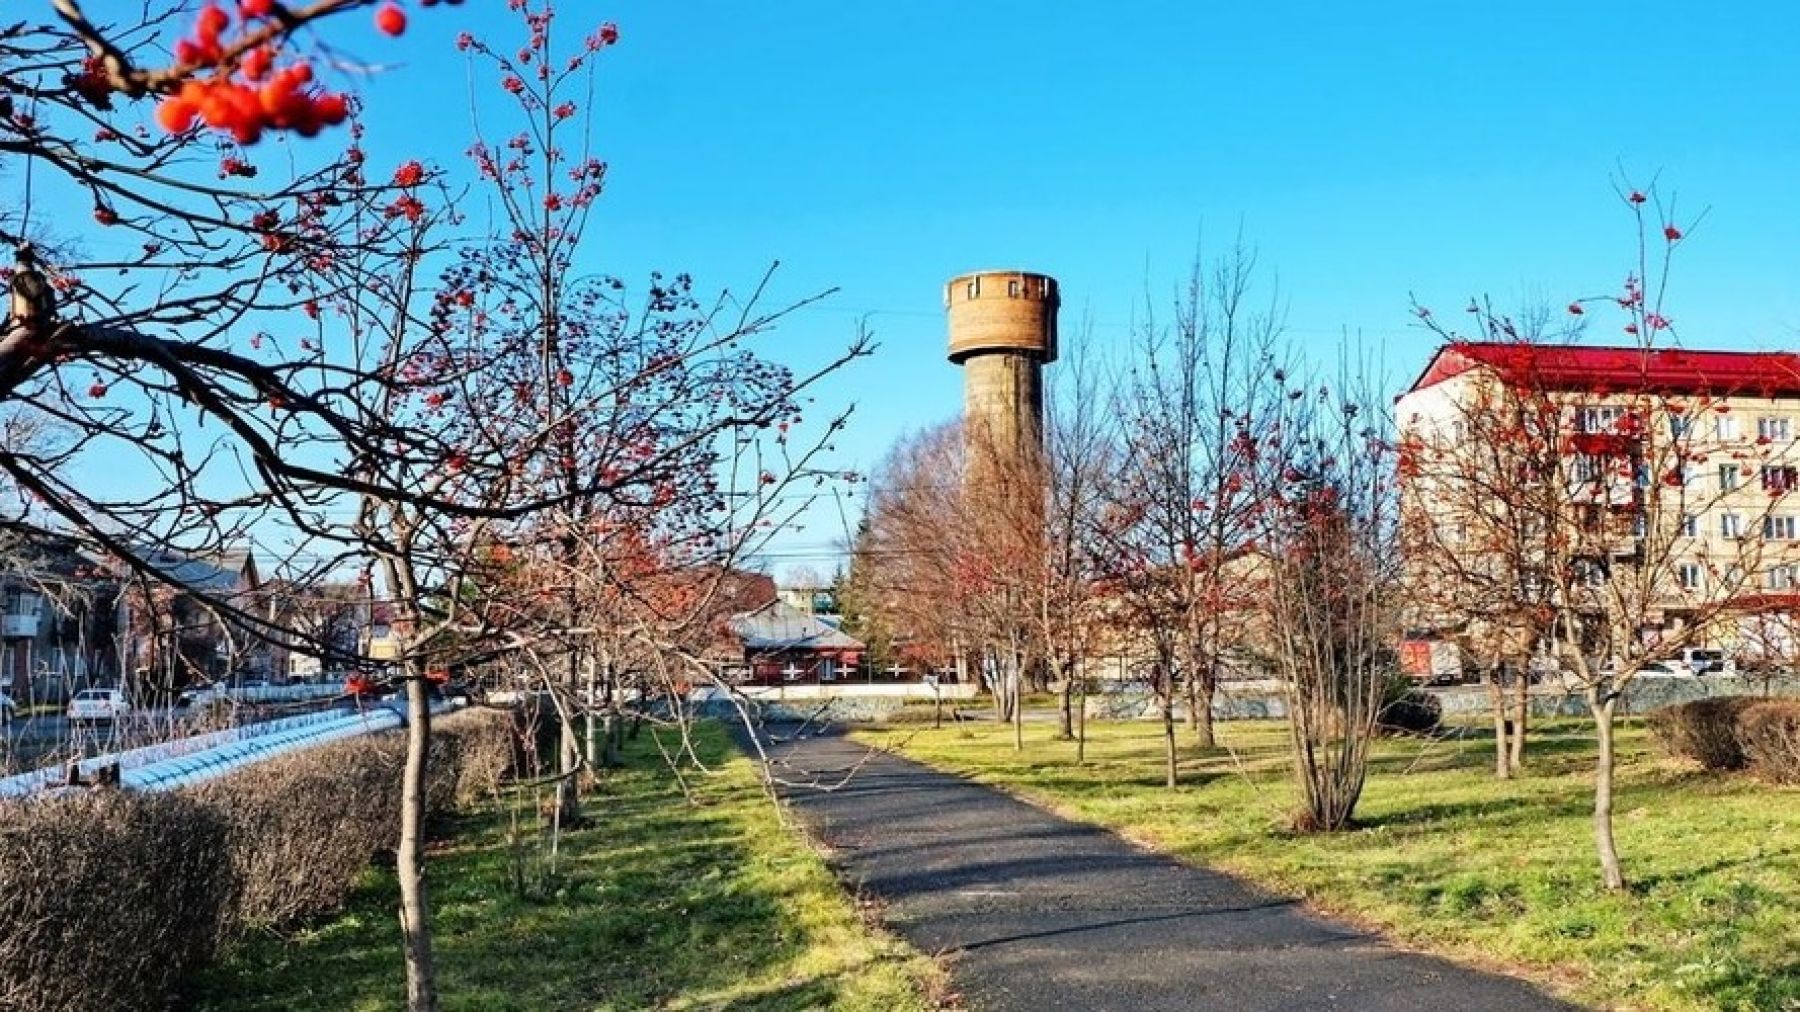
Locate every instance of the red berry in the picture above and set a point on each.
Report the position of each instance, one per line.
(175, 115)
(97, 390)
(390, 19)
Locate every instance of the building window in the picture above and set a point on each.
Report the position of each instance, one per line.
(1690, 526)
(1779, 477)
(1774, 429)
(1587, 518)
(1589, 573)
(1781, 578)
(1678, 426)
(1726, 427)
(1731, 525)
(1781, 528)
(1597, 419)
(974, 288)
(1012, 288)
(1691, 575)
(1729, 476)
(1587, 468)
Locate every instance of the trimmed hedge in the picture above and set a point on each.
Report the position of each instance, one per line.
(1705, 730)
(1770, 733)
(109, 900)
(1734, 732)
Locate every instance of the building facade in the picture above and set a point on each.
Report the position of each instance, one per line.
(1659, 485)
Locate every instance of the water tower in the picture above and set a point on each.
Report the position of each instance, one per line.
(1003, 332)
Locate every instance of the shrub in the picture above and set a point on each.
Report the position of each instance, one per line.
(487, 744)
(1770, 732)
(113, 898)
(301, 829)
(110, 899)
(1408, 709)
(1705, 730)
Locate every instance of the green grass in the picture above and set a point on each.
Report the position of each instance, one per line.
(1447, 859)
(658, 905)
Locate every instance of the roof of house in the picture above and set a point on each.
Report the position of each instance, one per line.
(222, 573)
(1614, 369)
(780, 626)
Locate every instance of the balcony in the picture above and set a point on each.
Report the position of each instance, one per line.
(19, 625)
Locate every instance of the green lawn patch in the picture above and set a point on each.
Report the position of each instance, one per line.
(1449, 860)
(659, 904)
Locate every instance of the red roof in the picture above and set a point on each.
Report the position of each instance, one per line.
(1604, 370)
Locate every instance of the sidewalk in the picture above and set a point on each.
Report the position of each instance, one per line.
(1035, 912)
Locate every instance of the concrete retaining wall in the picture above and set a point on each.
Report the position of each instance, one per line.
(1261, 702)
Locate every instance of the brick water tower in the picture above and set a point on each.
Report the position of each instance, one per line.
(1003, 332)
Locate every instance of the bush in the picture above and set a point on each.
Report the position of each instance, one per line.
(1769, 731)
(1408, 709)
(487, 746)
(113, 898)
(1705, 730)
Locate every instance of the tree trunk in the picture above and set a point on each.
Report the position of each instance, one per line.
(1522, 697)
(1610, 874)
(1203, 715)
(409, 863)
(1497, 701)
(1065, 706)
(590, 711)
(1170, 778)
(1081, 726)
(1018, 703)
(568, 788)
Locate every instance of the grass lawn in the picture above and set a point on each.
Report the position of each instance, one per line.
(1498, 874)
(659, 905)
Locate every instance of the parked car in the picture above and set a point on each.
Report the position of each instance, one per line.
(8, 709)
(205, 695)
(1705, 661)
(98, 704)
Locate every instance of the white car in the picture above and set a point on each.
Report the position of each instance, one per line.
(98, 704)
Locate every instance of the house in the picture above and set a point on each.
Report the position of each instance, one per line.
(322, 625)
(783, 645)
(1535, 477)
(178, 628)
(59, 616)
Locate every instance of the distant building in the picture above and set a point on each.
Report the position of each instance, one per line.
(178, 628)
(783, 645)
(1719, 426)
(59, 617)
(812, 600)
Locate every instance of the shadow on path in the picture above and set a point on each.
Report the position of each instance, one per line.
(1037, 912)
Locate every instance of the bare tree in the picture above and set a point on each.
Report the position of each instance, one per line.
(1657, 510)
(1191, 412)
(1328, 520)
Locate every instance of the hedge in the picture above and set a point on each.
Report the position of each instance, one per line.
(110, 900)
(1705, 730)
(1734, 732)
(1770, 732)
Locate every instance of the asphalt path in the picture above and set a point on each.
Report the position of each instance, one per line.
(1035, 912)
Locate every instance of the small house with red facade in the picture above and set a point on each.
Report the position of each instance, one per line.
(784, 645)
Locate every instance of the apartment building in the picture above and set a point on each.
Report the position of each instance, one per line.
(1534, 475)
(58, 616)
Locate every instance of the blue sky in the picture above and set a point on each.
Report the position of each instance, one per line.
(1369, 151)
